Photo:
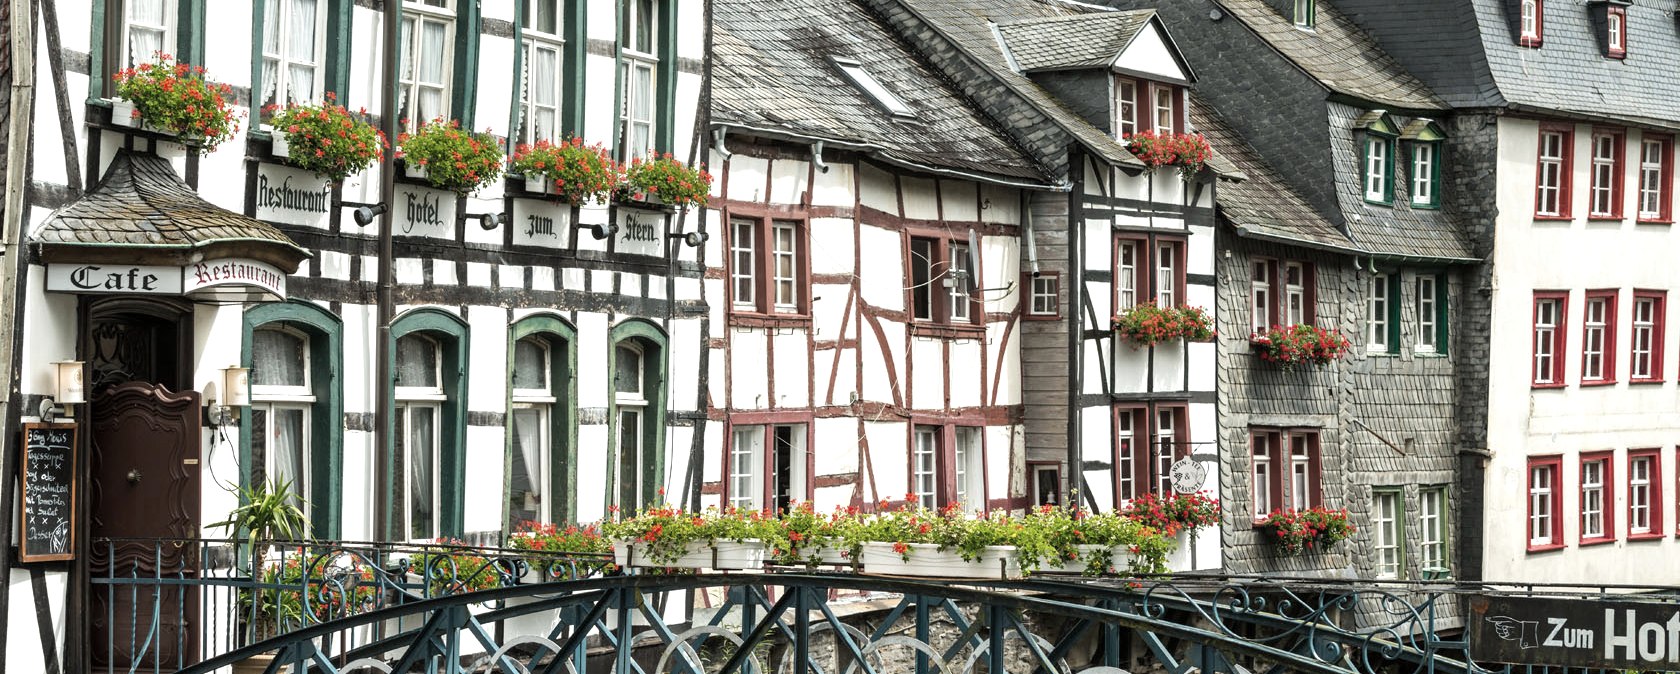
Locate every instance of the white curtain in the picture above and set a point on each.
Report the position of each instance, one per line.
(285, 451)
(543, 94)
(276, 359)
(405, 70)
(300, 51)
(271, 52)
(420, 455)
(146, 22)
(432, 42)
(525, 483)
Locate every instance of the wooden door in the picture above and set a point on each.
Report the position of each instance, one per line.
(144, 497)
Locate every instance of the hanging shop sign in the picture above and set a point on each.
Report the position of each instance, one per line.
(1627, 635)
(165, 280)
(421, 211)
(541, 223)
(288, 195)
(640, 232)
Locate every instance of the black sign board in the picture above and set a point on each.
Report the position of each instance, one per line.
(1627, 634)
(49, 493)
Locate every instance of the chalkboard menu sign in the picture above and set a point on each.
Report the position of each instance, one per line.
(49, 493)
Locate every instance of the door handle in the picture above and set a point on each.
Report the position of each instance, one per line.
(134, 476)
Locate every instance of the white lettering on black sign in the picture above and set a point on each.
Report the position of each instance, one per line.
(1575, 632)
(49, 474)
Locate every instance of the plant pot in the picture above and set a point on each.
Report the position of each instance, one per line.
(282, 146)
(825, 556)
(1121, 559)
(258, 664)
(722, 555)
(536, 184)
(414, 171)
(1181, 557)
(122, 114)
(927, 560)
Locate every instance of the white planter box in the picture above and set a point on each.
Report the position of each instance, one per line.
(537, 184)
(724, 555)
(414, 170)
(122, 114)
(282, 144)
(926, 560)
(1120, 560)
(831, 556)
(1180, 558)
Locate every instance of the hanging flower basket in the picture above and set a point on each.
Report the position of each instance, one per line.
(453, 159)
(576, 172)
(175, 98)
(664, 180)
(1187, 151)
(1314, 529)
(1146, 324)
(1295, 345)
(326, 138)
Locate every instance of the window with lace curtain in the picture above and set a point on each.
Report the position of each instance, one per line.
(282, 399)
(293, 51)
(530, 486)
(148, 28)
(542, 60)
(428, 37)
(638, 69)
(420, 397)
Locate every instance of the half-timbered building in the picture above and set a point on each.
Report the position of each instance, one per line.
(541, 353)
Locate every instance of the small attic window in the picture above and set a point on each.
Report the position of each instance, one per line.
(867, 82)
(1306, 14)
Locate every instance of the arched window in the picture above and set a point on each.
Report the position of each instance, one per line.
(428, 427)
(638, 414)
(282, 402)
(294, 431)
(530, 481)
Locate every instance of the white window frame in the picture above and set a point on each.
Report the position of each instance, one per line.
(1294, 293)
(1260, 296)
(924, 465)
(634, 61)
(753, 466)
(1530, 19)
(1164, 450)
(1642, 349)
(1127, 274)
(1126, 106)
(1164, 105)
(1166, 275)
(1594, 327)
(1651, 183)
(1045, 295)
(420, 14)
(1594, 497)
(1260, 454)
(1542, 503)
(1376, 168)
(960, 280)
(1640, 478)
(1604, 175)
(743, 257)
(1305, 12)
(166, 32)
(536, 40)
(1376, 315)
(746, 461)
(1615, 30)
(1551, 158)
(1545, 339)
(970, 473)
(631, 402)
(284, 62)
(1125, 459)
(542, 401)
(1386, 532)
(1432, 538)
(1300, 472)
(409, 399)
(1428, 313)
(1423, 174)
(784, 265)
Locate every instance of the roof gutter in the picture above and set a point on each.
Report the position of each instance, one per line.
(880, 153)
(1247, 232)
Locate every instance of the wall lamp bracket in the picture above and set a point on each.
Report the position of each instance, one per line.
(364, 215)
(598, 231)
(692, 239)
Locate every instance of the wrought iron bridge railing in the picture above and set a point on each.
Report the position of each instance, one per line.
(390, 607)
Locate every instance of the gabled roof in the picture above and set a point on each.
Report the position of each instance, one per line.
(1264, 206)
(142, 210)
(1072, 41)
(775, 72)
(1337, 53)
(1398, 230)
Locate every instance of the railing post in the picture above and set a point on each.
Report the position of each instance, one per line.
(1111, 638)
(801, 630)
(922, 633)
(995, 617)
(626, 618)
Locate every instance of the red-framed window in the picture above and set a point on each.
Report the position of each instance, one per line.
(1604, 198)
(1544, 485)
(769, 267)
(1531, 23)
(1598, 338)
(1597, 479)
(1044, 295)
(1615, 32)
(943, 277)
(1148, 438)
(769, 462)
(1281, 292)
(1148, 269)
(1142, 105)
(1656, 178)
(1645, 346)
(1644, 494)
(1551, 310)
(1553, 165)
(1285, 469)
(948, 464)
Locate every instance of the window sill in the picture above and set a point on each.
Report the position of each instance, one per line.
(1591, 542)
(1549, 386)
(1598, 382)
(1605, 217)
(1385, 353)
(1529, 42)
(768, 321)
(1549, 547)
(1653, 536)
(1386, 204)
(1429, 354)
(1426, 207)
(1655, 221)
(1041, 317)
(947, 331)
(1554, 218)
(1646, 382)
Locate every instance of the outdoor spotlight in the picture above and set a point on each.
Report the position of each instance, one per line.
(364, 215)
(490, 221)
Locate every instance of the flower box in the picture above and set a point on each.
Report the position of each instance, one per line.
(282, 146)
(721, 555)
(122, 114)
(415, 171)
(454, 159)
(1120, 559)
(927, 560)
(331, 141)
(1302, 344)
(536, 183)
(829, 556)
(176, 98)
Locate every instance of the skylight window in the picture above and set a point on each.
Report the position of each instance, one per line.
(867, 82)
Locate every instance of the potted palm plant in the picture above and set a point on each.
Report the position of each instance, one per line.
(268, 512)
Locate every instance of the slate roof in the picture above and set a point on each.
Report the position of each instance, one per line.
(1337, 53)
(1074, 41)
(1396, 230)
(1263, 206)
(142, 206)
(772, 71)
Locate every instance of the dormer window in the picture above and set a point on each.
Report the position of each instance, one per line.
(1378, 138)
(869, 85)
(1142, 105)
(1532, 21)
(1306, 14)
(1125, 107)
(1165, 104)
(1615, 32)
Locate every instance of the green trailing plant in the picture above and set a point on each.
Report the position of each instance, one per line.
(668, 180)
(175, 97)
(454, 159)
(328, 139)
(557, 542)
(803, 535)
(452, 568)
(1173, 513)
(1297, 531)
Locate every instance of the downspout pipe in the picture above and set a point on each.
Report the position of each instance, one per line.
(383, 413)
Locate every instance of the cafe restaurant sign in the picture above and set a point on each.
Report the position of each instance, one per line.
(163, 279)
(1630, 635)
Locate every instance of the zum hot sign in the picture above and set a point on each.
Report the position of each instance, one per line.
(164, 280)
(1631, 635)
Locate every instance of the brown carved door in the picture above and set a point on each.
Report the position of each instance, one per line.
(144, 514)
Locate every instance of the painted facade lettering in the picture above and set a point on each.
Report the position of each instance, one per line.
(284, 196)
(641, 232)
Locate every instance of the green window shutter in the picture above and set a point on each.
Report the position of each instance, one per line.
(1388, 180)
(1443, 332)
(665, 116)
(465, 82)
(1394, 313)
(338, 49)
(189, 29)
(576, 54)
